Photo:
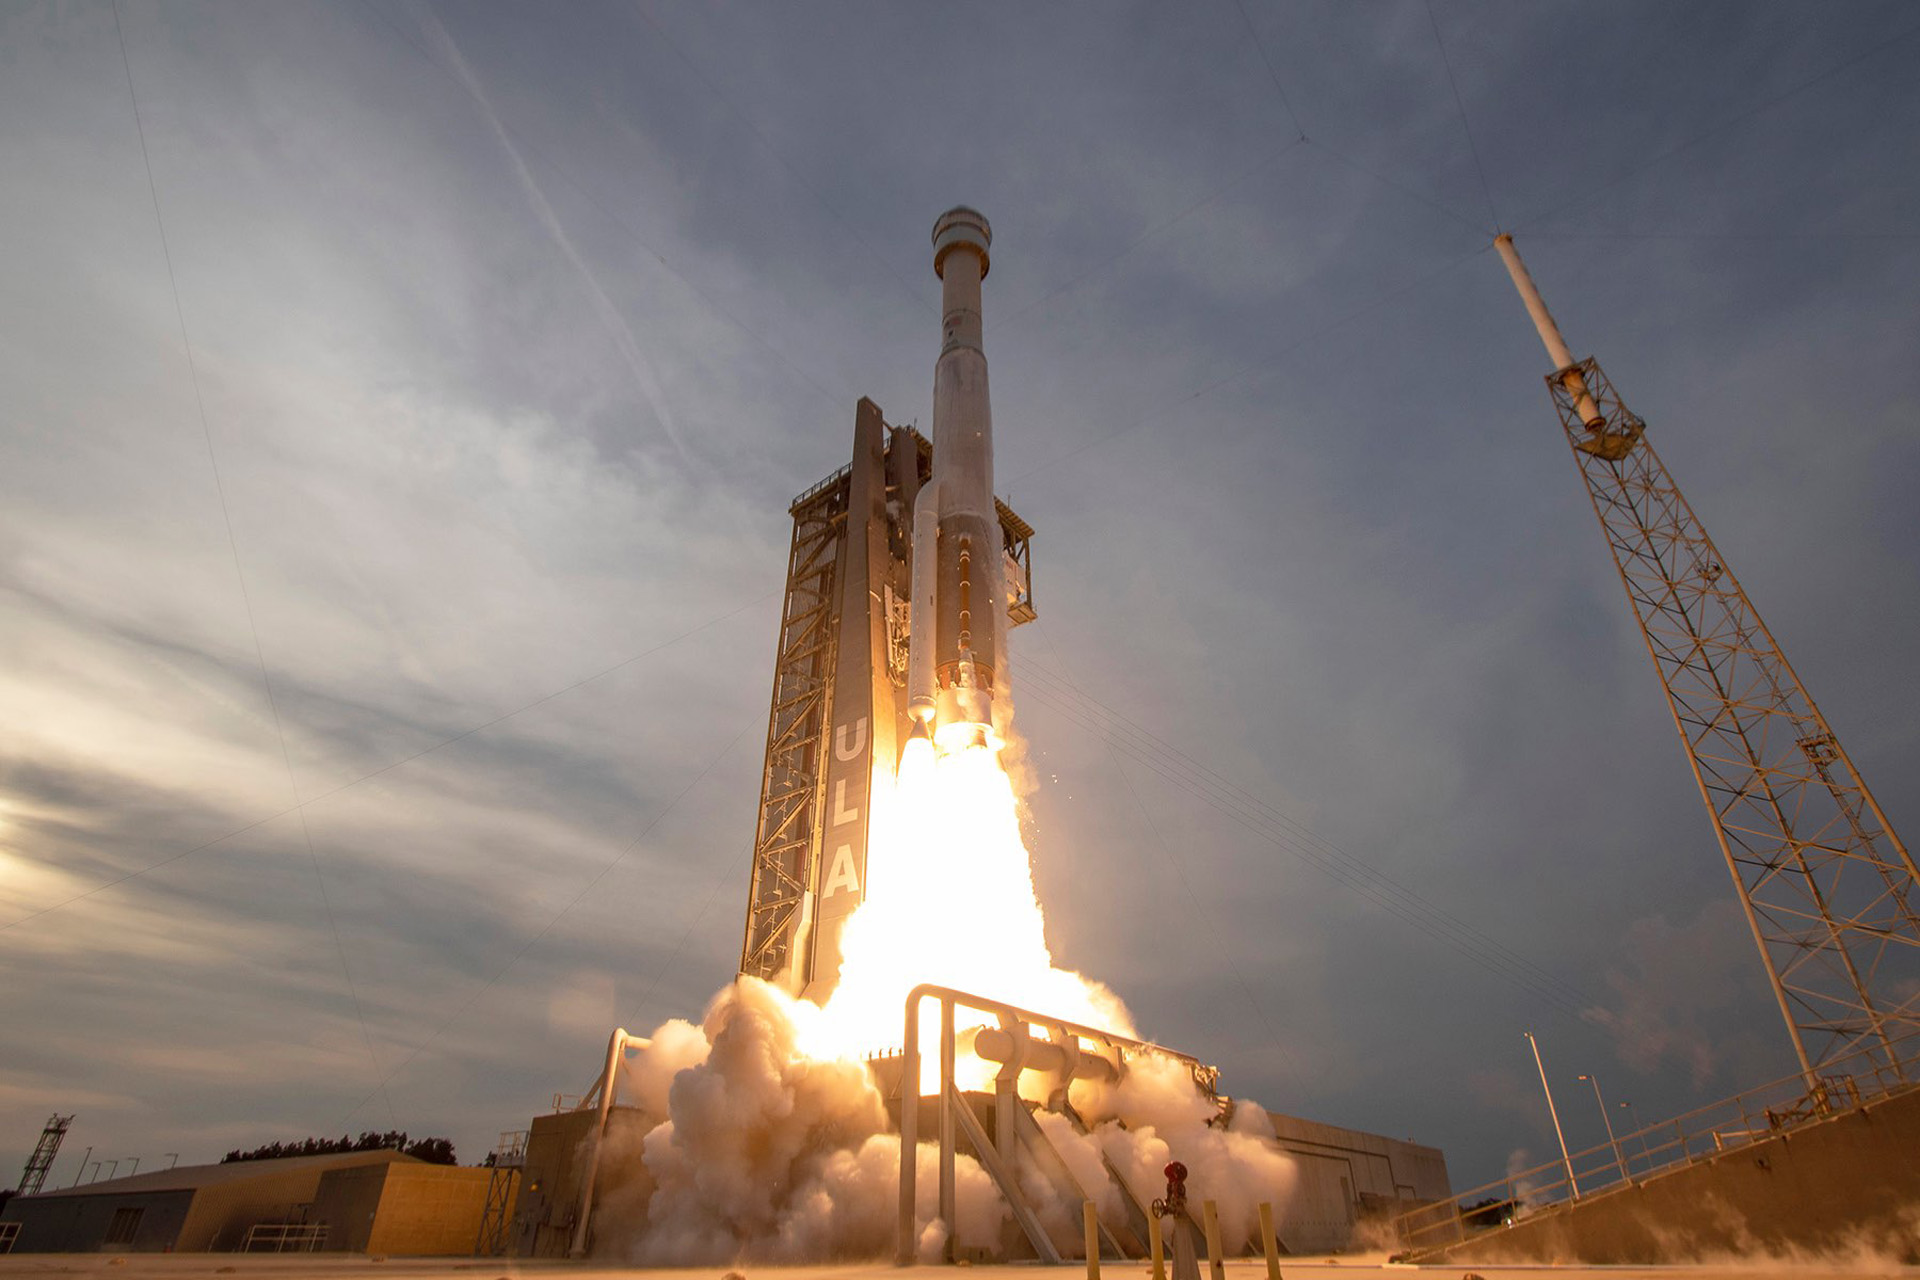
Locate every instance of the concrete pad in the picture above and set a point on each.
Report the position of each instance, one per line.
(359, 1267)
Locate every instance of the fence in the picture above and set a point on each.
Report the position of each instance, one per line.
(1870, 1073)
(285, 1237)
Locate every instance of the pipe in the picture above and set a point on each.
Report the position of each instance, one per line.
(948, 1189)
(907, 1238)
(609, 1077)
(905, 1242)
(1554, 1112)
(1045, 1056)
(1557, 351)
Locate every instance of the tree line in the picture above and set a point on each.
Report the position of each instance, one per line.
(431, 1150)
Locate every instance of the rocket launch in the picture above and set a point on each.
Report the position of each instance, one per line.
(958, 622)
(904, 577)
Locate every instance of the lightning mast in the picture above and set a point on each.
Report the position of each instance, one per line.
(1827, 886)
(35, 1175)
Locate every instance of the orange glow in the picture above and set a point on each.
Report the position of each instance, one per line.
(949, 900)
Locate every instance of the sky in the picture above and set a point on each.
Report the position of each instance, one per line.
(392, 529)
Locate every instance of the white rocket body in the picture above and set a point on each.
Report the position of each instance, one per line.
(959, 605)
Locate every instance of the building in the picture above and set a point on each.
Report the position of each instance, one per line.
(402, 1208)
(1349, 1179)
(374, 1201)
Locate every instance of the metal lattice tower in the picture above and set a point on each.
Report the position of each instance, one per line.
(1827, 886)
(496, 1219)
(840, 697)
(35, 1175)
(785, 843)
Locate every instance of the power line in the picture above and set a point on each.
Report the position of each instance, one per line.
(1263, 820)
(714, 88)
(728, 873)
(233, 547)
(1260, 46)
(1467, 946)
(632, 232)
(1588, 190)
(1405, 190)
(1209, 780)
(1736, 236)
(1265, 362)
(464, 734)
(1152, 232)
(434, 1036)
(1169, 859)
(1461, 107)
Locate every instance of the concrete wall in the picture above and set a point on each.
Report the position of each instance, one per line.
(543, 1211)
(1319, 1216)
(430, 1209)
(224, 1211)
(1349, 1178)
(1845, 1184)
(402, 1209)
(79, 1224)
(348, 1200)
(187, 1210)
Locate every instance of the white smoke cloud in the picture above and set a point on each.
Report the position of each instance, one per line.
(1156, 1114)
(764, 1154)
(741, 1148)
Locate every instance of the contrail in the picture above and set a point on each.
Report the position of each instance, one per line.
(616, 323)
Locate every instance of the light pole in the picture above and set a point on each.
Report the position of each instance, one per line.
(114, 1168)
(1554, 1112)
(173, 1158)
(1633, 1118)
(95, 1165)
(1620, 1161)
(136, 1166)
(83, 1167)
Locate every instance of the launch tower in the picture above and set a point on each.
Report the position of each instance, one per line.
(841, 699)
(1827, 886)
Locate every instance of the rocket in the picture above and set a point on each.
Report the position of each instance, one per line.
(958, 607)
(903, 578)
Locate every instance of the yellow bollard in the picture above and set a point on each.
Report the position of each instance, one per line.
(1215, 1264)
(1159, 1250)
(1092, 1223)
(1269, 1242)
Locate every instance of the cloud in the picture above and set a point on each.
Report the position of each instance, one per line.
(1670, 993)
(1309, 524)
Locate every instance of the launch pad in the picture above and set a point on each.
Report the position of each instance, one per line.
(892, 697)
(1347, 1184)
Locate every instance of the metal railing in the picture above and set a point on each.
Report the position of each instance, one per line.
(1869, 1074)
(285, 1237)
(1066, 1045)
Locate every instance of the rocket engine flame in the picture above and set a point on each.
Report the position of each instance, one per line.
(950, 900)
